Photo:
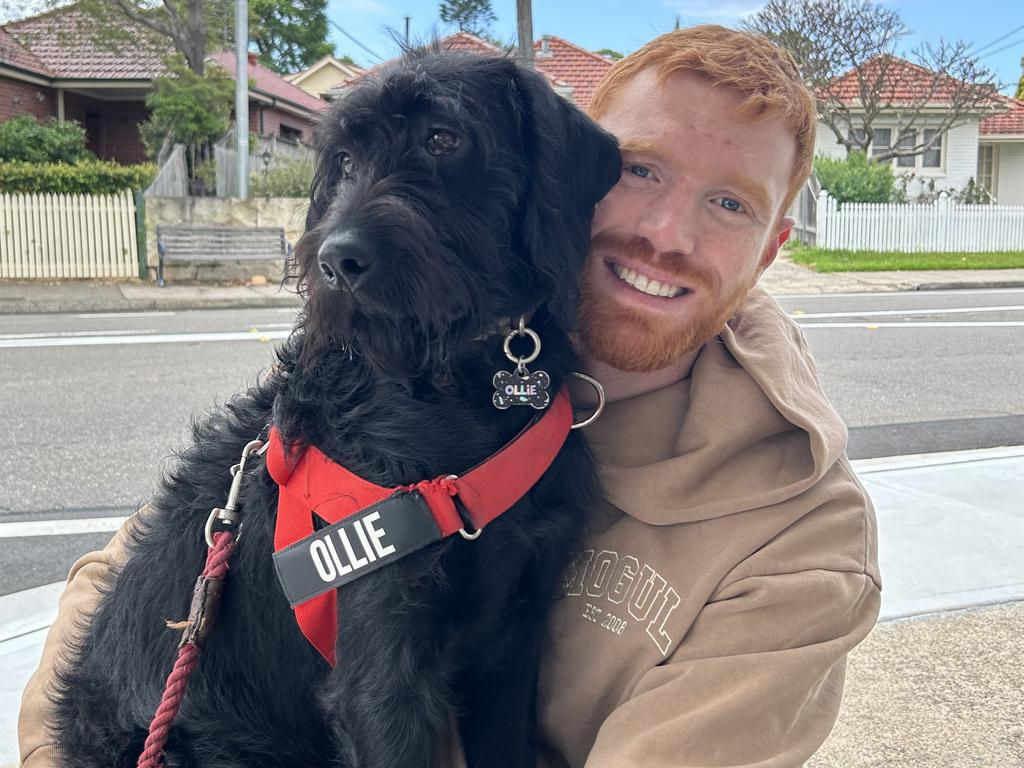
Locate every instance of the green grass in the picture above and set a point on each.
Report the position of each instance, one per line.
(821, 260)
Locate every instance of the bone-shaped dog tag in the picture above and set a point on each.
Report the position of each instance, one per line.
(530, 389)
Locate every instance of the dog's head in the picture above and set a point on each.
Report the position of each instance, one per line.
(451, 190)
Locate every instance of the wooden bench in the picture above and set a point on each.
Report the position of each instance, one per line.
(184, 243)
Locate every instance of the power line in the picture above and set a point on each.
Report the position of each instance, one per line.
(1000, 50)
(997, 40)
(378, 57)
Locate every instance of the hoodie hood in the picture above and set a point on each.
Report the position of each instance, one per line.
(749, 428)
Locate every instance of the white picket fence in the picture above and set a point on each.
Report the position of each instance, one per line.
(942, 226)
(68, 236)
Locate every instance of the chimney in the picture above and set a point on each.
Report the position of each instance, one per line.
(545, 45)
(252, 59)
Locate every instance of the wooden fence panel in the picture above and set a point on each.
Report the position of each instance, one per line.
(939, 226)
(67, 236)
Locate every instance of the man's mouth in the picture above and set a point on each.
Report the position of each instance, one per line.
(646, 284)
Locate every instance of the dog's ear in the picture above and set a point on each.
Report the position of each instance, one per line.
(573, 163)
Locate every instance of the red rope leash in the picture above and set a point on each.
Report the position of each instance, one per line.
(206, 595)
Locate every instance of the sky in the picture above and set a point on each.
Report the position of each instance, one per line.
(626, 25)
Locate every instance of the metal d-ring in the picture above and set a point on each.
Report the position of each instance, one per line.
(462, 531)
(522, 330)
(600, 399)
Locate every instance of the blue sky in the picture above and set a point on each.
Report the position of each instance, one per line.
(626, 25)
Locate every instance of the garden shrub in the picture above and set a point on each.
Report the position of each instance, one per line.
(95, 177)
(26, 139)
(857, 180)
(285, 178)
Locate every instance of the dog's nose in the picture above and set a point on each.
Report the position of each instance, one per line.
(345, 259)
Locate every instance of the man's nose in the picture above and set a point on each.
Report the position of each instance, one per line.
(345, 259)
(669, 224)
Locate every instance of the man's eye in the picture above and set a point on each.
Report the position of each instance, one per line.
(639, 170)
(735, 206)
(347, 165)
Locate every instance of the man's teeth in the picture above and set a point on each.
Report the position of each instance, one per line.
(645, 285)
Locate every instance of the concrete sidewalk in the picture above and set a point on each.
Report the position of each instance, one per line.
(783, 277)
(933, 686)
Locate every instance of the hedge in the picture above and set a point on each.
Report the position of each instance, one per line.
(93, 177)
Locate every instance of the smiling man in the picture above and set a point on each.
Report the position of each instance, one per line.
(733, 565)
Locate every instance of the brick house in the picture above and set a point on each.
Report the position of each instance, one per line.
(50, 68)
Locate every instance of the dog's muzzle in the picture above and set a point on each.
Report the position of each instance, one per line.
(345, 260)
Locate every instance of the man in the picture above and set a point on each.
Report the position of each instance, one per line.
(733, 565)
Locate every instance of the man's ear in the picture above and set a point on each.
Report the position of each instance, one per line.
(781, 235)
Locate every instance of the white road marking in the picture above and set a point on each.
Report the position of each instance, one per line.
(60, 527)
(154, 313)
(170, 338)
(872, 326)
(881, 312)
(901, 294)
(72, 334)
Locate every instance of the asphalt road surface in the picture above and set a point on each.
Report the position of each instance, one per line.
(92, 407)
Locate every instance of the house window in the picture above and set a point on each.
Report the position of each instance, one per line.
(908, 140)
(882, 141)
(933, 157)
(986, 167)
(290, 134)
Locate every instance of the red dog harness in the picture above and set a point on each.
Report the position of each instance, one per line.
(370, 525)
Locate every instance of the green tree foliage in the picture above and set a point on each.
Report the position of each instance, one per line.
(88, 177)
(1020, 85)
(25, 138)
(857, 180)
(473, 16)
(289, 34)
(188, 108)
(285, 178)
(608, 53)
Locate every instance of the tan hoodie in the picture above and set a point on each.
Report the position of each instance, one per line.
(733, 568)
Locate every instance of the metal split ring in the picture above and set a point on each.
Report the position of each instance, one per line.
(600, 399)
(522, 330)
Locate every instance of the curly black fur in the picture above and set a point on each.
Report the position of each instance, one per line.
(389, 373)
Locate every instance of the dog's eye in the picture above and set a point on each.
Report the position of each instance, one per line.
(347, 165)
(442, 142)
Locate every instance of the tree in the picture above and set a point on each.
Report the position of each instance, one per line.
(1020, 85)
(289, 34)
(845, 50)
(473, 16)
(191, 109)
(608, 53)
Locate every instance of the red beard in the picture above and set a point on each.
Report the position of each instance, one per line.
(633, 340)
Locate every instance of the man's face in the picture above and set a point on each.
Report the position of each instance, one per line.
(695, 219)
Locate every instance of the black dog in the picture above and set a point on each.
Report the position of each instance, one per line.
(453, 196)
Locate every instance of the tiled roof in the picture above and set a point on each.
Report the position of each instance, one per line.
(63, 42)
(13, 53)
(1010, 122)
(460, 41)
(269, 82)
(896, 81)
(581, 69)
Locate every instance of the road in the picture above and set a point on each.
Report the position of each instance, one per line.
(93, 406)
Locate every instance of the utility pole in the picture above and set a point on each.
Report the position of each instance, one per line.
(242, 96)
(524, 24)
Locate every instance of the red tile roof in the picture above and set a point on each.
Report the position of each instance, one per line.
(16, 55)
(896, 81)
(269, 82)
(1008, 123)
(62, 42)
(580, 68)
(460, 41)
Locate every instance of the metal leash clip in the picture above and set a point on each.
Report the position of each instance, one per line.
(229, 518)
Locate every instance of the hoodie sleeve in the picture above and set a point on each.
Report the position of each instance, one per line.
(36, 744)
(756, 682)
